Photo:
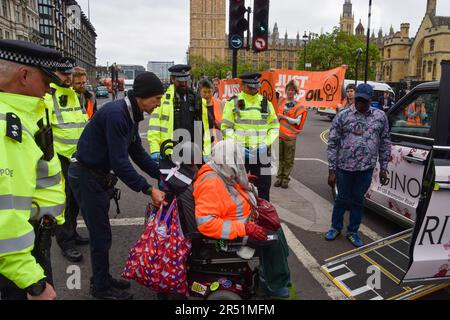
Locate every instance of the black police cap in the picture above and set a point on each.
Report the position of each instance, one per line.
(181, 72)
(31, 54)
(28, 53)
(251, 78)
(66, 65)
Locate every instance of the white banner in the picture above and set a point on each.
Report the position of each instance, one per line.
(402, 193)
(432, 245)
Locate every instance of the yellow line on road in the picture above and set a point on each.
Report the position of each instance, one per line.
(323, 136)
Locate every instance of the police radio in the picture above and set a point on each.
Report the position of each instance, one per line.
(44, 138)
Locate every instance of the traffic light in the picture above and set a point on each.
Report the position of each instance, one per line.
(238, 24)
(260, 25)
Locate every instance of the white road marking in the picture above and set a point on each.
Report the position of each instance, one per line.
(312, 159)
(124, 222)
(311, 265)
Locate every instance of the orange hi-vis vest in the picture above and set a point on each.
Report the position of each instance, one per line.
(290, 131)
(221, 212)
(413, 121)
(90, 108)
(218, 113)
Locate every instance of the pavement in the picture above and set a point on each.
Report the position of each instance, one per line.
(305, 210)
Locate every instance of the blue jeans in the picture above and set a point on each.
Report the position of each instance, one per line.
(94, 202)
(352, 186)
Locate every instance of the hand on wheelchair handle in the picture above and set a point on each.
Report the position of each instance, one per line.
(256, 232)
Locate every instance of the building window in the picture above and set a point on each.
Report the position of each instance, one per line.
(430, 66)
(1, 34)
(432, 45)
(434, 70)
(6, 34)
(389, 53)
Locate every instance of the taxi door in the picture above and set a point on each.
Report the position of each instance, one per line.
(430, 244)
(409, 166)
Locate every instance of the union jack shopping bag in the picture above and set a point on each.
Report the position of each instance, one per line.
(158, 259)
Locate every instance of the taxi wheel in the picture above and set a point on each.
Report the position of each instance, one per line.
(224, 295)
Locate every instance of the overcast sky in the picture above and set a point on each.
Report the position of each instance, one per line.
(138, 31)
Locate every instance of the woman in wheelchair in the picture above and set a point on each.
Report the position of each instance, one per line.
(223, 197)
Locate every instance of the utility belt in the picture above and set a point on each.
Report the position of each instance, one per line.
(106, 180)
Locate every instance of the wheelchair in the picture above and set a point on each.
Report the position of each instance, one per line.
(215, 271)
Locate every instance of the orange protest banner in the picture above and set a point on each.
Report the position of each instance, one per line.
(317, 89)
(229, 88)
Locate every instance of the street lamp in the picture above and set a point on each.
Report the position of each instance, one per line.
(359, 51)
(305, 39)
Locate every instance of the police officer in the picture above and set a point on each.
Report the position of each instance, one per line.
(31, 189)
(109, 141)
(181, 108)
(68, 119)
(250, 119)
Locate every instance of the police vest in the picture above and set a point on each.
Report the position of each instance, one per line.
(250, 120)
(68, 119)
(161, 124)
(290, 131)
(28, 187)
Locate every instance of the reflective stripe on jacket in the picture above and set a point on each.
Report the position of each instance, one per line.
(68, 119)
(17, 190)
(248, 124)
(290, 131)
(220, 211)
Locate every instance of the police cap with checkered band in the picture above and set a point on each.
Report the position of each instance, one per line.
(31, 54)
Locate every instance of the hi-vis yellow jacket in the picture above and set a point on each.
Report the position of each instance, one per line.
(245, 121)
(29, 188)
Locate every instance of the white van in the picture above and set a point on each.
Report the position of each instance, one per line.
(128, 85)
(378, 90)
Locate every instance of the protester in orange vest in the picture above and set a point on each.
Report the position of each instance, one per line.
(415, 114)
(221, 211)
(87, 99)
(215, 109)
(222, 196)
(292, 116)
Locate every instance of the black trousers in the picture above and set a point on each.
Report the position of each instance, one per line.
(94, 202)
(264, 178)
(9, 291)
(66, 234)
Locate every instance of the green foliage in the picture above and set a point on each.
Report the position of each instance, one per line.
(331, 50)
(202, 67)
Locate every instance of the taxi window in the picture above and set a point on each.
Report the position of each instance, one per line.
(415, 117)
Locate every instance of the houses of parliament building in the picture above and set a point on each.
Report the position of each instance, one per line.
(208, 39)
(404, 56)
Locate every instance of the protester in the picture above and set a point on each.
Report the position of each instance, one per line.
(223, 198)
(350, 102)
(292, 116)
(109, 141)
(87, 99)
(216, 84)
(358, 137)
(215, 109)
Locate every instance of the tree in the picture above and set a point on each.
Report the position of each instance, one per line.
(331, 50)
(204, 68)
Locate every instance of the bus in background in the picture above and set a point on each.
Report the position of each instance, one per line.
(378, 90)
(120, 84)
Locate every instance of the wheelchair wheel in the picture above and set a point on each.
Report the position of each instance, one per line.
(224, 295)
